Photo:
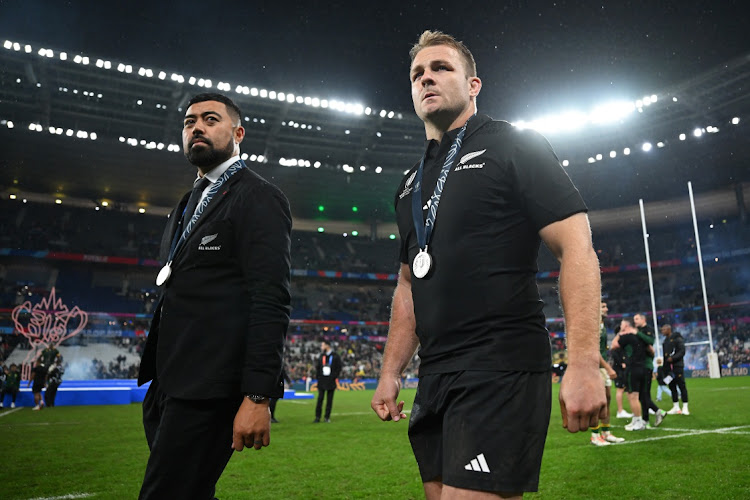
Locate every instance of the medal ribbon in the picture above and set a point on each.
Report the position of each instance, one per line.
(177, 242)
(424, 229)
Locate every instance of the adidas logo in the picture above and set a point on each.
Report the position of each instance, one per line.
(478, 464)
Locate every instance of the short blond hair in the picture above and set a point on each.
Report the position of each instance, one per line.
(431, 38)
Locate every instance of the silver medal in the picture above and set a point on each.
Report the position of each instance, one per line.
(164, 274)
(422, 263)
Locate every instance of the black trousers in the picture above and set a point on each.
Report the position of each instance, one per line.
(12, 392)
(329, 402)
(50, 394)
(644, 396)
(190, 443)
(678, 381)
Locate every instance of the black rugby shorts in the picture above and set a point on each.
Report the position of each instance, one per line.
(634, 378)
(481, 430)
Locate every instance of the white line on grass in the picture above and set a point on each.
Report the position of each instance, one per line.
(46, 423)
(65, 497)
(6, 413)
(728, 388)
(725, 430)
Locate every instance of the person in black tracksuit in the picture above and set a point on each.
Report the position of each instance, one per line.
(328, 368)
(674, 354)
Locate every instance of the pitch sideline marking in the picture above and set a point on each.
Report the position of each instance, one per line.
(729, 388)
(6, 413)
(65, 497)
(725, 430)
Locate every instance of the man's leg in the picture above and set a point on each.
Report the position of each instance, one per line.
(319, 405)
(190, 446)
(329, 403)
(679, 379)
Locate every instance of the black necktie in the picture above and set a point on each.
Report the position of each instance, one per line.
(195, 195)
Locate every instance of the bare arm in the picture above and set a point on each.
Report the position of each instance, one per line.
(399, 350)
(582, 401)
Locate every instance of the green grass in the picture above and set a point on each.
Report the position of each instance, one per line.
(100, 450)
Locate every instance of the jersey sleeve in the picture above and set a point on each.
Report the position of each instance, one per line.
(545, 189)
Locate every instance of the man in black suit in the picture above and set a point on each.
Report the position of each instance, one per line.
(328, 368)
(214, 350)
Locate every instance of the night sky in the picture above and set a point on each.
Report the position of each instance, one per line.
(533, 57)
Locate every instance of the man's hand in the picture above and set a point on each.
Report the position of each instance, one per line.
(612, 374)
(582, 398)
(252, 426)
(384, 400)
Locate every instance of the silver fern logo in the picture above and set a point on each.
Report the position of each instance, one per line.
(208, 239)
(470, 156)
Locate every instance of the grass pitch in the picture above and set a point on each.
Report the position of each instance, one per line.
(100, 452)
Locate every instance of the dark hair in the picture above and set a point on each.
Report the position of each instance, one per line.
(233, 109)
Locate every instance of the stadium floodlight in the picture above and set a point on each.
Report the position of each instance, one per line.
(674, 99)
(315, 102)
(272, 94)
(59, 131)
(290, 98)
(378, 170)
(321, 229)
(324, 103)
(654, 98)
(261, 159)
(613, 154)
(149, 73)
(253, 157)
(390, 114)
(362, 168)
(355, 233)
(263, 93)
(12, 197)
(735, 120)
(141, 71)
(698, 132)
(160, 146)
(121, 67)
(8, 44)
(99, 63)
(626, 151)
(122, 139)
(383, 113)
(611, 112)
(107, 64)
(16, 46)
(348, 169)
(128, 68)
(599, 157)
(77, 59)
(84, 60)
(646, 146)
(244, 156)
(347, 131)
(368, 110)
(141, 210)
(32, 126)
(162, 75)
(99, 96)
(27, 49)
(591, 159)
(192, 80)
(9, 124)
(660, 144)
(58, 201)
(392, 236)
(316, 164)
(42, 52)
(299, 99)
(281, 96)
(105, 203)
(683, 137)
(565, 163)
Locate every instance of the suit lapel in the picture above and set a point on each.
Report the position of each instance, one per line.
(218, 200)
(169, 230)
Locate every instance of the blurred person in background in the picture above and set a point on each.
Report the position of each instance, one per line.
(328, 368)
(674, 363)
(38, 377)
(601, 434)
(12, 385)
(54, 379)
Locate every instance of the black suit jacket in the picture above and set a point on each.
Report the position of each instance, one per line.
(328, 382)
(219, 327)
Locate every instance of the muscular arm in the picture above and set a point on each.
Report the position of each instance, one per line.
(581, 399)
(399, 350)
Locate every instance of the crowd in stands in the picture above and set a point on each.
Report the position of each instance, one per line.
(131, 291)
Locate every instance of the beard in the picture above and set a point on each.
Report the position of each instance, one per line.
(207, 156)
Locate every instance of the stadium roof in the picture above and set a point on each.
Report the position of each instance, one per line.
(121, 95)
